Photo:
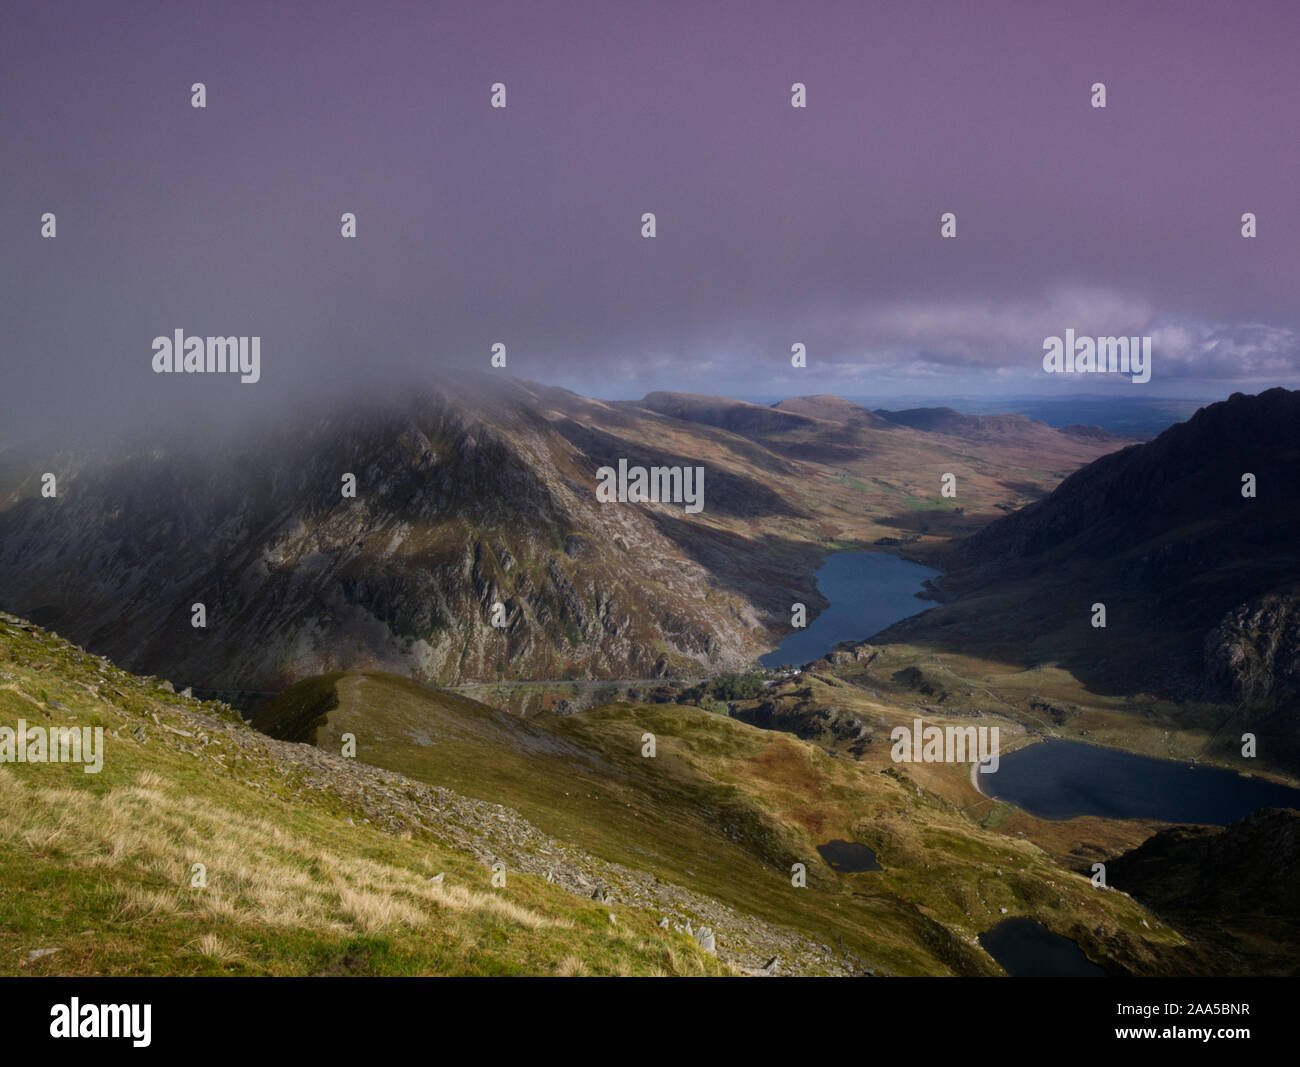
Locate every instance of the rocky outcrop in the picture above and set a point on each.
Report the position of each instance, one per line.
(847, 653)
(797, 714)
(1254, 653)
(465, 499)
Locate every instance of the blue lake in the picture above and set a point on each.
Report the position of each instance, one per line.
(1061, 779)
(867, 592)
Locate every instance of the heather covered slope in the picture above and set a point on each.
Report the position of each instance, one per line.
(319, 864)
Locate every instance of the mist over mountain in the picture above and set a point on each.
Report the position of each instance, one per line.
(604, 489)
(466, 498)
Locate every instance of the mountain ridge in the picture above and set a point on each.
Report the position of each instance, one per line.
(477, 494)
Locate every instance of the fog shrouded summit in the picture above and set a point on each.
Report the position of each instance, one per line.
(522, 224)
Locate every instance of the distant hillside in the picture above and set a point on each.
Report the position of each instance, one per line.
(735, 415)
(991, 427)
(1129, 413)
(832, 409)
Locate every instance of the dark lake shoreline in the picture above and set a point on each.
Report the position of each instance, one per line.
(1060, 779)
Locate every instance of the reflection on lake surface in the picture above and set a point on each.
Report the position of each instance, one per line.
(1060, 779)
(1026, 949)
(867, 592)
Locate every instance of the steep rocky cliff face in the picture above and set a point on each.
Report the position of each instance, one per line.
(463, 501)
(1254, 652)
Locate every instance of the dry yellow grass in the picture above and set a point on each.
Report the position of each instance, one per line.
(214, 948)
(254, 871)
(570, 967)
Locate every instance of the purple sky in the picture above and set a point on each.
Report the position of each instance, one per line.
(521, 225)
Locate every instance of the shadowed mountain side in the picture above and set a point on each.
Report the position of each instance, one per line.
(1235, 887)
(1191, 474)
(1197, 580)
(772, 572)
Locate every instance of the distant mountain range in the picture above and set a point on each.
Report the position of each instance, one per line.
(1130, 413)
(986, 427)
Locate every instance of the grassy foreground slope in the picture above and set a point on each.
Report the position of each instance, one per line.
(724, 810)
(314, 864)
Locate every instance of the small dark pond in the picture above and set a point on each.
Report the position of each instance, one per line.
(1027, 949)
(849, 857)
